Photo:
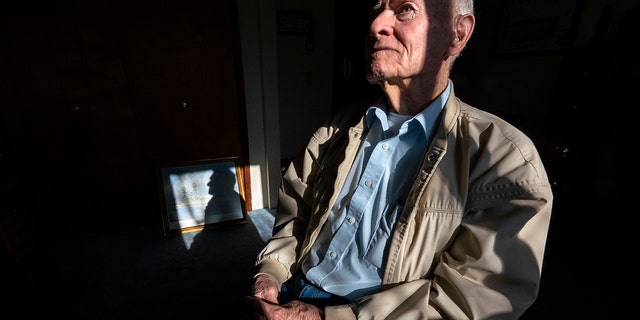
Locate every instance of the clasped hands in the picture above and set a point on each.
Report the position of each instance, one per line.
(264, 303)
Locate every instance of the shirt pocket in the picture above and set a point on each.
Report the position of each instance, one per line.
(378, 243)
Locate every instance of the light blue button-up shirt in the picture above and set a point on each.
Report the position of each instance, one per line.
(347, 259)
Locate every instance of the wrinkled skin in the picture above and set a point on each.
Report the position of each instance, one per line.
(263, 305)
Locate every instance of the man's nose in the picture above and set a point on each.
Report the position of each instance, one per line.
(382, 24)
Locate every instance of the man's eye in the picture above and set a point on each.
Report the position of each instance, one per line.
(406, 13)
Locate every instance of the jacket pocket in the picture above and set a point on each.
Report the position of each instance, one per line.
(376, 248)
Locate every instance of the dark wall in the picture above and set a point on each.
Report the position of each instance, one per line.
(98, 94)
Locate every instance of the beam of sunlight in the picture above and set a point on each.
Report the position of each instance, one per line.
(263, 220)
(256, 187)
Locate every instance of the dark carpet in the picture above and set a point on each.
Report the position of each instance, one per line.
(139, 273)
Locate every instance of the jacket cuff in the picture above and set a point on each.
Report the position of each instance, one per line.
(274, 269)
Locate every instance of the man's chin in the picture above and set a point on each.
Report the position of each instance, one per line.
(375, 77)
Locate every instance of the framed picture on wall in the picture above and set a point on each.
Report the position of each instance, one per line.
(200, 194)
(534, 26)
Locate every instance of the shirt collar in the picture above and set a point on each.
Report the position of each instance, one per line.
(427, 117)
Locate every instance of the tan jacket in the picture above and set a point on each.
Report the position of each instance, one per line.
(470, 241)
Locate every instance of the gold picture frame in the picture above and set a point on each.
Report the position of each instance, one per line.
(200, 194)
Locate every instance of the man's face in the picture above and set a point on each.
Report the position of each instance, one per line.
(407, 39)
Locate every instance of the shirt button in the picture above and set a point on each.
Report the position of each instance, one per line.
(367, 183)
(351, 220)
(385, 146)
(333, 255)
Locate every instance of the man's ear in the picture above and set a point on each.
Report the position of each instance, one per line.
(463, 25)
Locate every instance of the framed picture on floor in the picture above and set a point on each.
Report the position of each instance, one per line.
(200, 194)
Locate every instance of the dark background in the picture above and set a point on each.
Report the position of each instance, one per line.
(97, 95)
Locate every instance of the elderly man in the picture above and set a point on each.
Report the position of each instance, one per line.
(412, 206)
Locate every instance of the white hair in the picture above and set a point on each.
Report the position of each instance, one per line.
(464, 6)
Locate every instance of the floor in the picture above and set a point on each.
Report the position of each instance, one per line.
(137, 273)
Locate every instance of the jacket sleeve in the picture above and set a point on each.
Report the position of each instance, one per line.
(279, 256)
(298, 195)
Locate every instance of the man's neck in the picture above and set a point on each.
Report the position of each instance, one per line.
(411, 96)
